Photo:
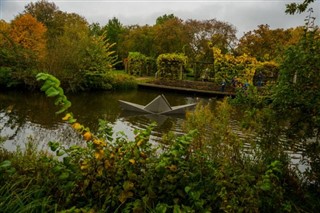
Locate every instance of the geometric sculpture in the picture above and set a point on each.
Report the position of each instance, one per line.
(159, 105)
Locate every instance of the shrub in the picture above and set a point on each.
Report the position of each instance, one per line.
(171, 66)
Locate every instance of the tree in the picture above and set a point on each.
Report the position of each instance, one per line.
(113, 30)
(207, 34)
(137, 39)
(171, 36)
(293, 8)
(64, 58)
(266, 44)
(28, 33)
(95, 29)
(162, 19)
(48, 14)
(7, 46)
(297, 99)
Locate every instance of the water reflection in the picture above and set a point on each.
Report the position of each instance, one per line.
(26, 115)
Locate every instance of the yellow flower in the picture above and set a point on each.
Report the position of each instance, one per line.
(132, 161)
(87, 136)
(67, 117)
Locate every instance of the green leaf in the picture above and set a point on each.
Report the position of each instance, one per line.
(161, 208)
(41, 76)
(176, 209)
(47, 85)
(51, 92)
(5, 164)
(60, 152)
(187, 189)
(57, 168)
(67, 104)
(53, 145)
(64, 176)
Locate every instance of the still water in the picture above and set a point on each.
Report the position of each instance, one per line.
(26, 115)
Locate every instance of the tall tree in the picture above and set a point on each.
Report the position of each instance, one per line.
(29, 34)
(64, 58)
(113, 30)
(208, 33)
(267, 44)
(170, 36)
(137, 39)
(48, 14)
(162, 19)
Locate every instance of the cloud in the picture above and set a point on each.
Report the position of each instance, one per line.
(245, 15)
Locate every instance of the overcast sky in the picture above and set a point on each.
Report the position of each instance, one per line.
(245, 15)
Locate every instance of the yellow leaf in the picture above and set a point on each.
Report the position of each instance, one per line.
(99, 154)
(107, 164)
(77, 126)
(124, 195)
(66, 117)
(132, 161)
(87, 136)
(173, 168)
(100, 170)
(84, 165)
(140, 142)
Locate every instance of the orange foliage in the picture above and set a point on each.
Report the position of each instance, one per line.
(27, 32)
(4, 27)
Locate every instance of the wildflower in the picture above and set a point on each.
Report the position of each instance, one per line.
(132, 161)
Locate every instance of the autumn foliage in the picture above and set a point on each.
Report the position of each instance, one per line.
(27, 32)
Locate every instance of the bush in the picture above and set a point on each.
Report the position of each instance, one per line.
(171, 66)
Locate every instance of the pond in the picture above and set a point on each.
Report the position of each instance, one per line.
(30, 116)
(26, 115)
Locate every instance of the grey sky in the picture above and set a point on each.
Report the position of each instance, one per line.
(245, 15)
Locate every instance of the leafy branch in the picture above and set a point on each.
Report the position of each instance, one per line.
(52, 88)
